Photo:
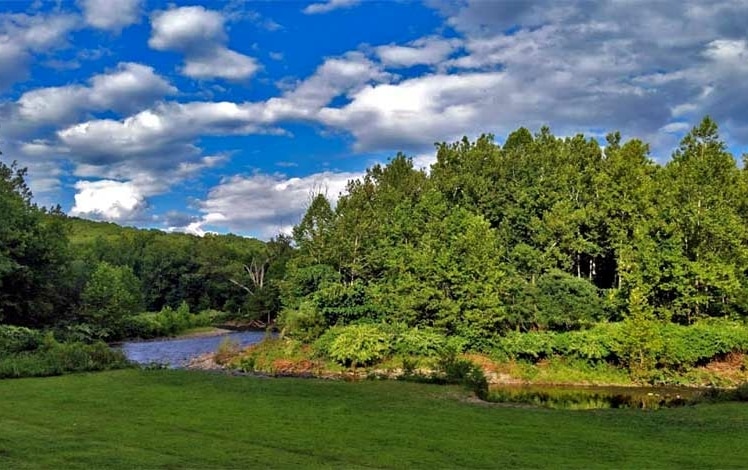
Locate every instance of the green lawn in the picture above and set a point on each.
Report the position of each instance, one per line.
(176, 419)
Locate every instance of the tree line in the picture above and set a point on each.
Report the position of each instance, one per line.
(57, 270)
(540, 233)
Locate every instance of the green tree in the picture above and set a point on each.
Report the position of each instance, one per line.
(111, 293)
(33, 255)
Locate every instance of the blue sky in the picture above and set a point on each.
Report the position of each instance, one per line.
(227, 116)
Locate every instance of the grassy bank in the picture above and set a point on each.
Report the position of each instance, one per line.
(173, 419)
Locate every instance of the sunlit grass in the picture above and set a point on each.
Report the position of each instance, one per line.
(179, 419)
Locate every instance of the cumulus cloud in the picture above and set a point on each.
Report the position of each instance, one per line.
(108, 200)
(199, 34)
(160, 137)
(157, 138)
(337, 76)
(328, 6)
(122, 194)
(266, 204)
(127, 88)
(414, 113)
(111, 15)
(431, 50)
(22, 35)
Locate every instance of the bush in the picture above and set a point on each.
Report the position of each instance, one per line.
(167, 322)
(424, 342)
(82, 333)
(54, 358)
(356, 345)
(741, 393)
(465, 372)
(278, 356)
(642, 345)
(15, 339)
(305, 323)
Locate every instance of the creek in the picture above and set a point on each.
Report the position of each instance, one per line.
(177, 353)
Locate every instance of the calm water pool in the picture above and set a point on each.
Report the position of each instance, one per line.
(591, 397)
(176, 353)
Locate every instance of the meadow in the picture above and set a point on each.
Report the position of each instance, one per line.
(179, 419)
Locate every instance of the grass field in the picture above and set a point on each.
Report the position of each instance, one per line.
(176, 419)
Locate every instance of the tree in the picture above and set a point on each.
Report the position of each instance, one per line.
(33, 255)
(701, 195)
(112, 293)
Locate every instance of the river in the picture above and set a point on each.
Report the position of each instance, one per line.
(176, 353)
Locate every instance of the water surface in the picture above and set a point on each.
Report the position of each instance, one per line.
(177, 353)
(591, 397)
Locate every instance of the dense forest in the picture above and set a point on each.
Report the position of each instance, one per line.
(536, 237)
(542, 233)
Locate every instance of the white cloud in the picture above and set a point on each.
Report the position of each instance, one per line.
(129, 87)
(157, 137)
(328, 6)
(108, 200)
(264, 204)
(200, 35)
(337, 76)
(431, 50)
(223, 63)
(417, 112)
(23, 35)
(111, 15)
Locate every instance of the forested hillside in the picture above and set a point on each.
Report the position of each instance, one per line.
(538, 247)
(58, 271)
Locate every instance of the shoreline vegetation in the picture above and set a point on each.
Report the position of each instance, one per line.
(283, 357)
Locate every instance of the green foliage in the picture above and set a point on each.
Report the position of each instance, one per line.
(457, 370)
(566, 302)
(167, 322)
(419, 342)
(53, 358)
(15, 339)
(356, 345)
(111, 294)
(33, 256)
(345, 303)
(641, 344)
(305, 323)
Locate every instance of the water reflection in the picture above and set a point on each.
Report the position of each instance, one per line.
(577, 397)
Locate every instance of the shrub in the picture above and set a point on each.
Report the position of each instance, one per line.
(457, 370)
(533, 345)
(356, 345)
(424, 342)
(82, 333)
(15, 339)
(227, 349)
(305, 323)
(167, 322)
(741, 393)
(54, 358)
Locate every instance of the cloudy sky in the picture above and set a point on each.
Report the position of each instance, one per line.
(225, 116)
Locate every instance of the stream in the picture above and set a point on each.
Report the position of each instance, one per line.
(177, 353)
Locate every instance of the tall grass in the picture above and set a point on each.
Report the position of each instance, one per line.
(54, 358)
